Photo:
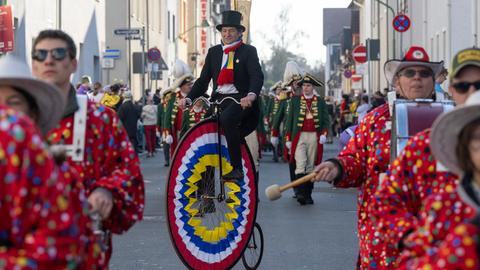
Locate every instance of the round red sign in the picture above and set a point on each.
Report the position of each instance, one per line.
(153, 54)
(360, 54)
(401, 23)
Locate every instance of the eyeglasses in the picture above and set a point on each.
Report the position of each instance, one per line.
(410, 73)
(463, 87)
(58, 54)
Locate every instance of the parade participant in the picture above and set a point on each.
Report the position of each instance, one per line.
(149, 117)
(235, 71)
(367, 154)
(396, 209)
(47, 199)
(193, 115)
(272, 103)
(291, 77)
(103, 155)
(306, 130)
(173, 117)
(41, 207)
(455, 142)
(162, 108)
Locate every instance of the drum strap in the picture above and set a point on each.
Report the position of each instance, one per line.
(77, 148)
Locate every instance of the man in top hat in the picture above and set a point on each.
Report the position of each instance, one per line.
(173, 117)
(418, 171)
(367, 154)
(306, 129)
(235, 71)
(101, 151)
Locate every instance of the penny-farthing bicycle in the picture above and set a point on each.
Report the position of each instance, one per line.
(210, 221)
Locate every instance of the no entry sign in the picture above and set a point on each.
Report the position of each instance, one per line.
(401, 23)
(153, 54)
(360, 54)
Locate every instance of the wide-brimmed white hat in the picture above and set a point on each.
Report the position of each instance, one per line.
(447, 128)
(49, 99)
(415, 56)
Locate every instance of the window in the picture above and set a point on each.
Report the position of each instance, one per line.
(444, 41)
(168, 25)
(174, 22)
(437, 49)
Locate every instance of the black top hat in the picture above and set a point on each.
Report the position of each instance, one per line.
(231, 18)
(310, 79)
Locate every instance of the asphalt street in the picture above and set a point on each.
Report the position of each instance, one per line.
(319, 236)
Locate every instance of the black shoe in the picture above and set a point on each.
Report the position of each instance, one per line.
(301, 199)
(235, 174)
(308, 200)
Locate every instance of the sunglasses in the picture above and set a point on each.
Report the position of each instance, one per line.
(58, 54)
(463, 87)
(410, 73)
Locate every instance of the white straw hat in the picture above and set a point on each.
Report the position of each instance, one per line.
(49, 99)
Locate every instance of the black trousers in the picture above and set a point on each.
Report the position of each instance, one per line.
(237, 123)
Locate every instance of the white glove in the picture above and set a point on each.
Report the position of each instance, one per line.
(274, 141)
(169, 139)
(323, 139)
(288, 145)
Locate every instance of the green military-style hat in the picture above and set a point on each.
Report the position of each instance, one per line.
(308, 78)
(465, 57)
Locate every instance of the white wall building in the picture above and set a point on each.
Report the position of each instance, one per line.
(442, 27)
(87, 29)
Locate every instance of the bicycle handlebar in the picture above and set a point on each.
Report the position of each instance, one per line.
(215, 102)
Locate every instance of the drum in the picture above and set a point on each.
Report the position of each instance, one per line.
(412, 116)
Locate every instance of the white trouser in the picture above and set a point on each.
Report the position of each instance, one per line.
(252, 143)
(306, 152)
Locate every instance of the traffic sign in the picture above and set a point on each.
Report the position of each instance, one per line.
(113, 54)
(153, 54)
(108, 63)
(127, 31)
(360, 54)
(401, 23)
(347, 73)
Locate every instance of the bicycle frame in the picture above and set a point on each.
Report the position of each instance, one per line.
(214, 106)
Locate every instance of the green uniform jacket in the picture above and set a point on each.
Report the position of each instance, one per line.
(295, 117)
(189, 119)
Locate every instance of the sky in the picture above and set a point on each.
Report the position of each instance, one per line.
(304, 15)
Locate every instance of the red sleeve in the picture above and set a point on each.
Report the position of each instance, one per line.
(122, 177)
(46, 211)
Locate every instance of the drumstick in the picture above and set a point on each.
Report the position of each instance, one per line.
(274, 192)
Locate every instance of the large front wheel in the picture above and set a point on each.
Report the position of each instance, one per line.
(210, 222)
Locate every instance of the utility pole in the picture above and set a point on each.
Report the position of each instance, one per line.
(142, 42)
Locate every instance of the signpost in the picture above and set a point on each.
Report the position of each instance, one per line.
(136, 34)
(127, 31)
(347, 73)
(360, 54)
(401, 23)
(112, 54)
(153, 54)
(6, 29)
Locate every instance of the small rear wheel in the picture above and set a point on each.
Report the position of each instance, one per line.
(252, 256)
